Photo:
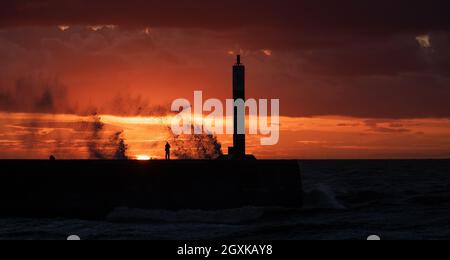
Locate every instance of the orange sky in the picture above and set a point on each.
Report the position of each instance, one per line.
(367, 86)
(36, 136)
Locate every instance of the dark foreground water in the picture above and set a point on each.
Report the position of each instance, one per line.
(343, 200)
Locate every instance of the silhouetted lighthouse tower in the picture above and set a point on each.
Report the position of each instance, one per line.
(238, 150)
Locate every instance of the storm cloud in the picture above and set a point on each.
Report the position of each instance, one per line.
(369, 59)
(365, 17)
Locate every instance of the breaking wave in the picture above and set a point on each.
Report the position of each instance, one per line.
(321, 197)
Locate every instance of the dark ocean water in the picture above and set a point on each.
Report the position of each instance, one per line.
(343, 200)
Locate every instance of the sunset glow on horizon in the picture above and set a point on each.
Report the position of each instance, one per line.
(37, 136)
(352, 88)
(143, 158)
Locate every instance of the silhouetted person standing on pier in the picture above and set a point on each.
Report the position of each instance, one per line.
(168, 151)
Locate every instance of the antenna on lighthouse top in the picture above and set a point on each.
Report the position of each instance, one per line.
(238, 60)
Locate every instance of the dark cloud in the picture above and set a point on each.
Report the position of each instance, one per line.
(405, 96)
(352, 16)
(391, 128)
(352, 58)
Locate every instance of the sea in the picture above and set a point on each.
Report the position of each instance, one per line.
(343, 200)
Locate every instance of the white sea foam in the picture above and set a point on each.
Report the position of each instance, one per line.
(321, 197)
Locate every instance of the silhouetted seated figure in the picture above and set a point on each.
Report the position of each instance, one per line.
(168, 151)
(52, 158)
